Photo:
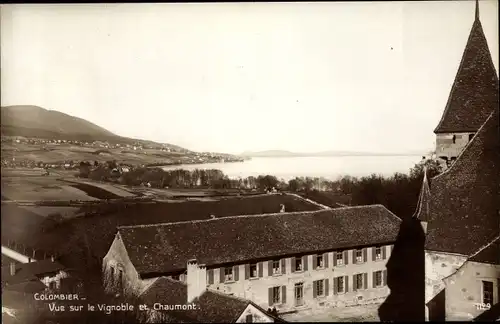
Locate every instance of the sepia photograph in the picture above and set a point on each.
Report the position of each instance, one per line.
(240, 162)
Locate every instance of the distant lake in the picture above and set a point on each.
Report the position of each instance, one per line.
(327, 167)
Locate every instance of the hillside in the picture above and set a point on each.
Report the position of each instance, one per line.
(37, 122)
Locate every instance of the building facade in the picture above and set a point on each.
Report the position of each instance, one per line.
(338, 261)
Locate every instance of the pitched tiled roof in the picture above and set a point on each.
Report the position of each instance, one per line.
(423, 200)
(465, 200)
(30, 271)
(474, 93)
(212, 307)
(489, 253)
(165, 248)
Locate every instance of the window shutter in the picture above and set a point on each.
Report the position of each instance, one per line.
(315, 261)
(346, 283)
(221, 273)
(270, 268)
(365, 254)
(365, 280)
(335, 258)
(210, 276)
(346, 257)
(305, 260)
(354, 283)
(374, 251)
(325, 259)
(236, 270)
(247, 271)
(293, 263)
(327, 288)
(270, 293)
(315, 291)
(383, 252)
(374, 279)
(384, 276)
(260, 268)
(283, 266)
(283, 294)
(335, 286)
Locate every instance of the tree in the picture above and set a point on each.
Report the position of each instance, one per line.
(433, 169)
(84, 170)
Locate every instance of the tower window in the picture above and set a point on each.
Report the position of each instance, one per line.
(454, 139)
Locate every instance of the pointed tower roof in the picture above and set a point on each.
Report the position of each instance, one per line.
(422, 212)
(474, 93)
(464, 209)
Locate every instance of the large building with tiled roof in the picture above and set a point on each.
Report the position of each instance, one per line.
(288, 261)
(473, 96)
(460, 213)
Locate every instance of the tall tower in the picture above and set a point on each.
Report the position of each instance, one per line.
(473, 96)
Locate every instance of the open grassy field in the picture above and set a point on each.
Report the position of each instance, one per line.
(37, 188)
(99, 189)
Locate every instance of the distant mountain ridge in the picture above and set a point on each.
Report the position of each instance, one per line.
(38, 122)
(332, 153)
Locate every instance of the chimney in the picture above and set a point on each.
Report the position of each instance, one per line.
(193, 278)
(202, 279)
(12, 269)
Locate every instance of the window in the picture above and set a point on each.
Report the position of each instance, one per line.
(228, 274)
(319, 261)
(276, 295)
(299, 294)
(276, 267)
(112, 275)
(253, 270)
(454, 139)
(298, 264)
(249, 318)
(52, 285)
(339, 284)
(378, 253)
(358, 281)
(377, 279)
(340, 258)
(320, 287)
(470, 137)
(120, 281)
(176, 277)
(359, 256)
(488, 292)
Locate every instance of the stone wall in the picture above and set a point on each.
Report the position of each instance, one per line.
(439, 265)
(464, 290)
(445, 146)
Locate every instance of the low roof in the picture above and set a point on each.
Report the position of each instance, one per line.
(30, 271)
(464, 204)
(166, 248)
(212, 306)
(489, 253)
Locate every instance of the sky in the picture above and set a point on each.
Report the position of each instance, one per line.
(234, 77)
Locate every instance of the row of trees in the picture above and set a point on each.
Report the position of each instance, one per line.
(398, 192)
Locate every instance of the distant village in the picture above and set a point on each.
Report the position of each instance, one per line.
(102, 147)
